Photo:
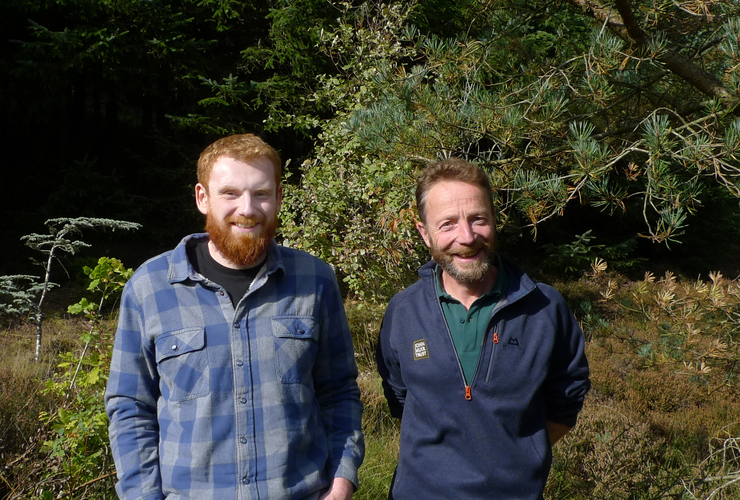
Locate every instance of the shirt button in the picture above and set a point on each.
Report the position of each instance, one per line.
(240, 363)
(243, 440)
(462, 320)
(221, 293)
(236, 326)
(243, 401)
(174, 347)
(245, 480)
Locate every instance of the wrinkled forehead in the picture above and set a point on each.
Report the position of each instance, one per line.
(450, 195)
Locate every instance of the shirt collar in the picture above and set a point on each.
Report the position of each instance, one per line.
(181, 269)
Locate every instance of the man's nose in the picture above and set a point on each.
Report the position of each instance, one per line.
(246, 205)
(465, 234)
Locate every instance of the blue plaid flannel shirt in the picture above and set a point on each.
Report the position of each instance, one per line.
(207, 402)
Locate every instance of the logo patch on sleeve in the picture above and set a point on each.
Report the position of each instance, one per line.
(420, 349)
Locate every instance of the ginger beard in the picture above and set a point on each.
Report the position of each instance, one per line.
(243, 250)
(473, 272)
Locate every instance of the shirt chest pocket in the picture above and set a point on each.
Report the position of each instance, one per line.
(296, 346)
(182, 359)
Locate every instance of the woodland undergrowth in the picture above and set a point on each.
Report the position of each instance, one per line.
(662, 419)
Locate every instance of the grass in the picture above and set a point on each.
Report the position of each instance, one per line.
(662, 419)
(381, 440)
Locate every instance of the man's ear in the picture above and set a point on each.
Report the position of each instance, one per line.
(423, 232)
(201, 198)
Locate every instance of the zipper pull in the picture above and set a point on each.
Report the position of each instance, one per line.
(495, 338)
(468, 393)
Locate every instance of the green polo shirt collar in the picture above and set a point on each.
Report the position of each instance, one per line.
(468, 327)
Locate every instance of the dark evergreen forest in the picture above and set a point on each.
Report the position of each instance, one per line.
(609, 131)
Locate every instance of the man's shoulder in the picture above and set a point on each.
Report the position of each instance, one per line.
(544, 291)
(154, 264)
(303, 263)
(151, 274)
(529, 293)
(412, 296)
(166, 265)
(520, 284)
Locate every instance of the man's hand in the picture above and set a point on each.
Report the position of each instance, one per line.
(556, 431)
(340, 489)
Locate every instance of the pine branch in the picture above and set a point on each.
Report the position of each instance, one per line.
(625, 26)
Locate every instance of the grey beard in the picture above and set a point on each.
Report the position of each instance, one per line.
(466, 277)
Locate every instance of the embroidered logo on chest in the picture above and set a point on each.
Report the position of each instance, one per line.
(420, 349)
(513, 345)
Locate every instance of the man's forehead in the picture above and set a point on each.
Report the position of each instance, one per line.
(226, 167)
(456, 190)
(446, 199)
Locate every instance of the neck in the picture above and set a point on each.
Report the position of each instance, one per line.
(467, 293)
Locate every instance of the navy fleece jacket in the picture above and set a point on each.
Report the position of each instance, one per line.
(493, 444)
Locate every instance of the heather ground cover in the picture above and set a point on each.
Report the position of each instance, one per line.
(662, 419)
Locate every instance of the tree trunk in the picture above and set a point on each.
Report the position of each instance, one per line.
(37, 356)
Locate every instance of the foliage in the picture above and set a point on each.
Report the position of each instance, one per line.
(353, 209)
(380, 429)
(381, 440)
(364, 321)
(554, 105)
(77, 449)
(62, 229)
(121, 54)
(108, 278)
(20, 298)
(661, 420)
(563, 103)
(721, 469)
(698, 323)
(59, 239)
(20, 404)
(577, 256)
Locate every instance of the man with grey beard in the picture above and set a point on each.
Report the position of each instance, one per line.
(485, 367)
(233, 372)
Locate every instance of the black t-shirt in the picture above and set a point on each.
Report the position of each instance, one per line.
(235, 281)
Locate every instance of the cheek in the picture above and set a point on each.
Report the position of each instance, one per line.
(222, 210)
(444, 240)
(269, 209)
(487, 234)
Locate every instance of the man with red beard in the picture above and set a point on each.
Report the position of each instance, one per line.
(485, 367)
(233, 372)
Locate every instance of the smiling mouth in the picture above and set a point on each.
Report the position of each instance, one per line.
(467, 254)
(245, 223)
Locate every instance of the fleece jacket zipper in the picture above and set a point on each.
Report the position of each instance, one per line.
(468, 388)
(468, 391)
